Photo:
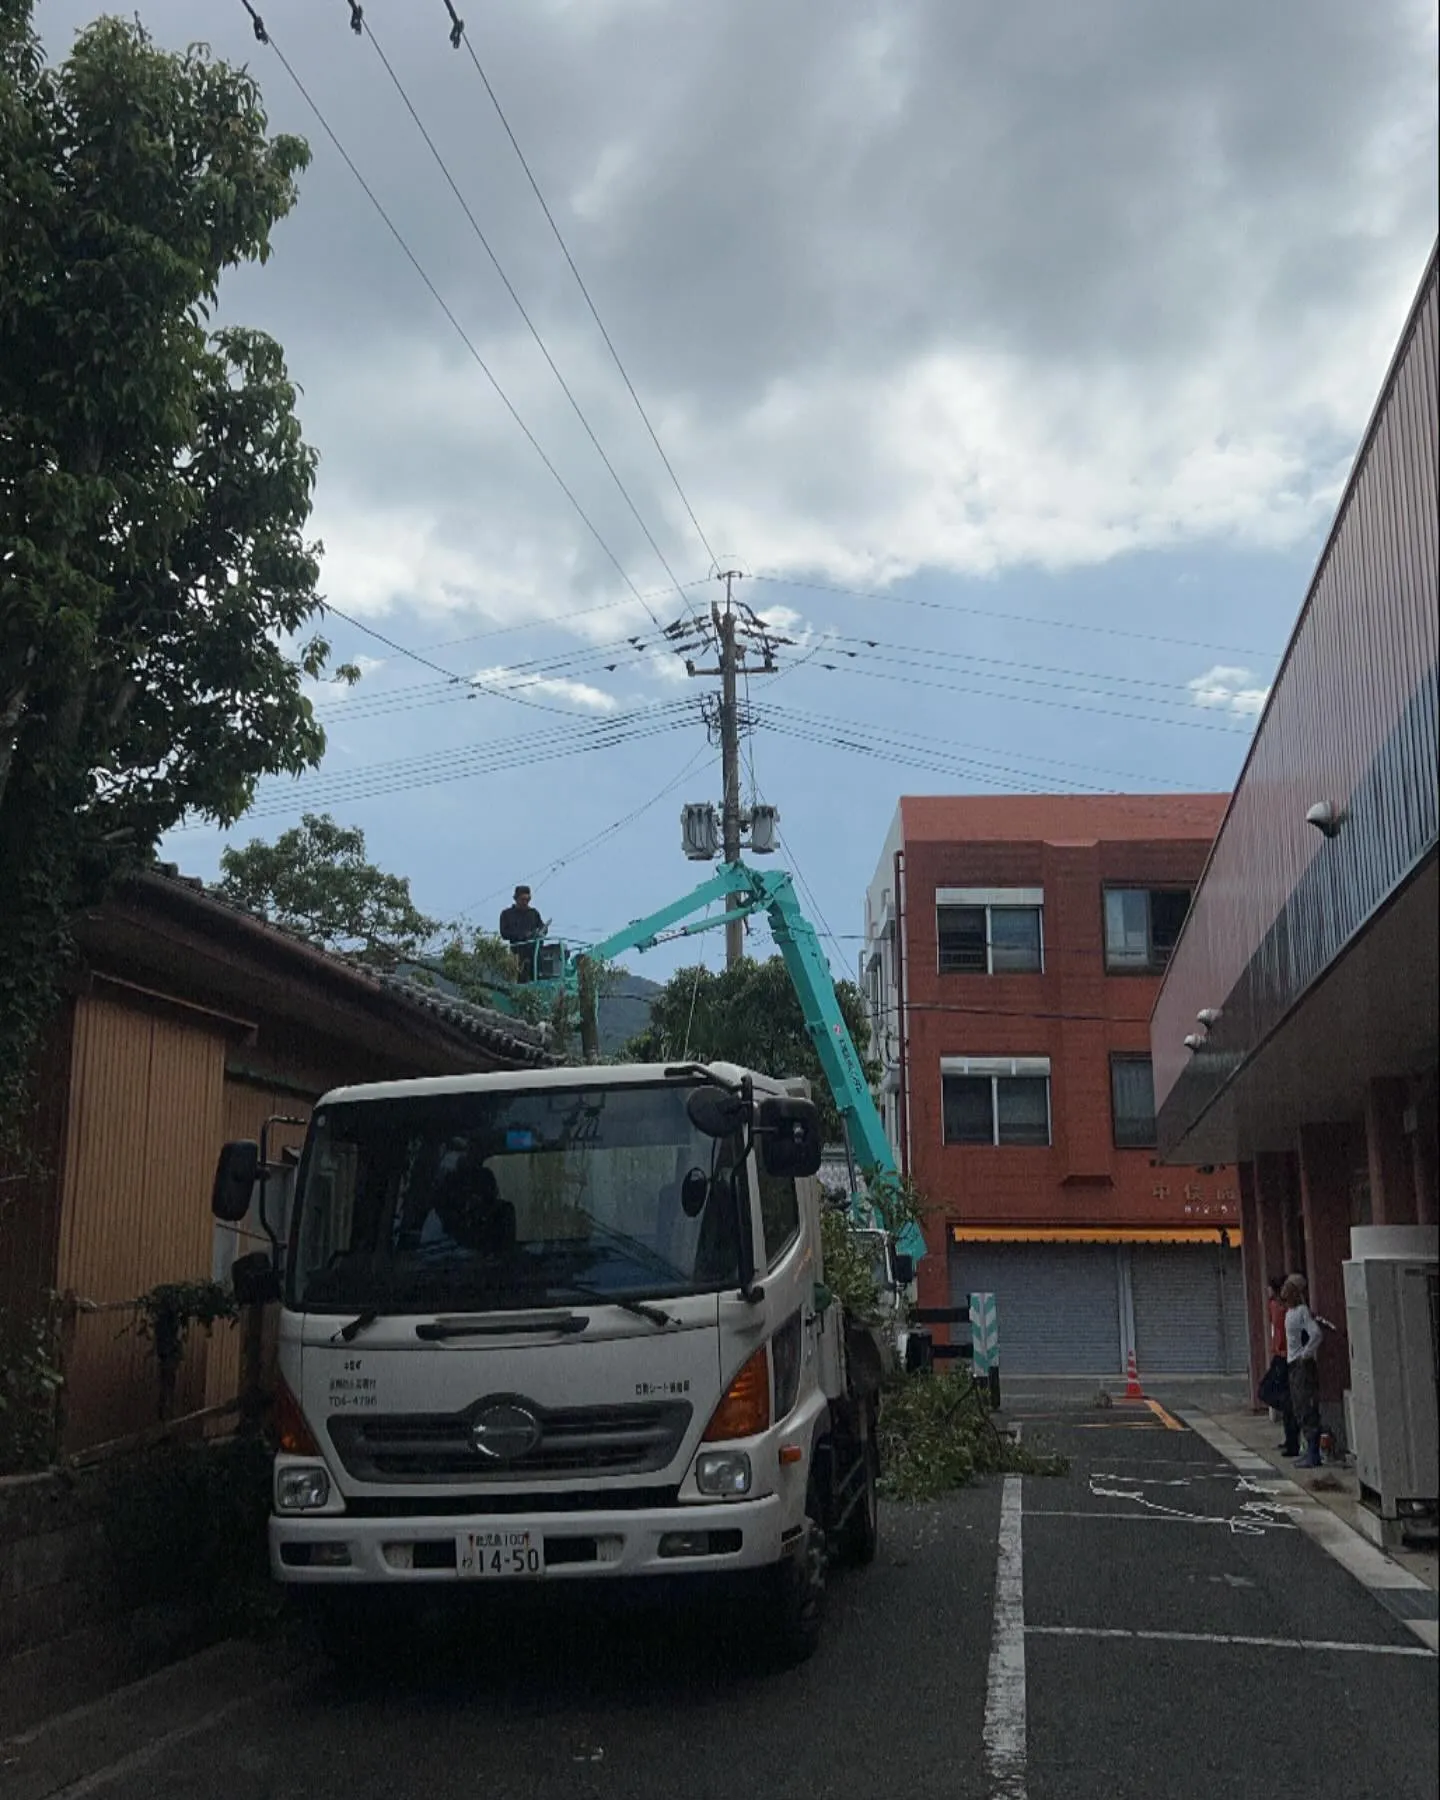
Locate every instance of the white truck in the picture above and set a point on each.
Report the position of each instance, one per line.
(564, 1326)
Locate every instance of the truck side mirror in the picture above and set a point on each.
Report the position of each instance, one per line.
(235, 1176)
(789, 1132)
(714, 1111)
(903, 1269)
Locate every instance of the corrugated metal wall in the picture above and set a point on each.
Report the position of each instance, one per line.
(1352, 720)
(145, 1119)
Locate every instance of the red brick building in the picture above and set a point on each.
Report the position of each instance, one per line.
(1014, 948)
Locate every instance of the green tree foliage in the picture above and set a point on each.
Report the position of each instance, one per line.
(314, 880)
(748, 1015)
(154, 484)
(476, 962)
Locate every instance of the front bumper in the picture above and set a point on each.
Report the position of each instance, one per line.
(588, 1546)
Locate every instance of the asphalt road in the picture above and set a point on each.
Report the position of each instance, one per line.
(1089, 1636)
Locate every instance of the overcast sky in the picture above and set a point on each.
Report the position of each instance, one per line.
(1053, 326)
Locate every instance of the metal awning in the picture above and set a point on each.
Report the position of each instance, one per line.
(1096, 1234)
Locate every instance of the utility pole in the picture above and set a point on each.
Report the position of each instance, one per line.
(724, 624)
(733, 632)
(589, 987)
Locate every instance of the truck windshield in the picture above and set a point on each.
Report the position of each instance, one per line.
(491, 1201)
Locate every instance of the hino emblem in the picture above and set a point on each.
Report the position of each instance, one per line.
(504, 1433)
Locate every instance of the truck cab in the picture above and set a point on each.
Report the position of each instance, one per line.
(567, 1325)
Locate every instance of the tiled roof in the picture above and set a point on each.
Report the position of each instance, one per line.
(464, 1014)
(494, 1031)
(1052, 818)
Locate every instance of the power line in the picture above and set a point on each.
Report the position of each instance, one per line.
(457, 37)
(886, 749)
(505, 680)
(375, 780)
(579, 612)
(599, 837)
(1104, 712)
(949, 746)
(811, 895)
(840, 639)
(266, 38)
(449, 674)
(364, 25)
(1005, 1012)
(976, 612)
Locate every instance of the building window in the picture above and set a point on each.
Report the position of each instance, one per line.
(989, 932)
(1132, 1102)
(1142, 925)
(992, 1100)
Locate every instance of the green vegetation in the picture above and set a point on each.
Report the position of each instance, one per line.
(749, 1015)
(937, 1433)
(154, 484)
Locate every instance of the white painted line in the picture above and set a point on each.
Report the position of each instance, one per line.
(131, 1693)
(142, 1758)
(1368, 1564)
(1238, 1527)
(1224, 1637)
(1004, 1735)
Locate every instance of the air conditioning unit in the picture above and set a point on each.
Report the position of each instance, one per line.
(1390, 1313)
(700, 832)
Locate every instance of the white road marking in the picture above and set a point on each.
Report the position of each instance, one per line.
(1365, 1561)
(1225, 1637)
(142, 1758)
(1004, 1735)
(1253, 1518)
(1157, 1516)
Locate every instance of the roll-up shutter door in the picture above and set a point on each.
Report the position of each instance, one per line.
(1057, 1305)
(1189, 1309)
(1237, 1336)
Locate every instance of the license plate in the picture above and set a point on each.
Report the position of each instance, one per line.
(499, 1555)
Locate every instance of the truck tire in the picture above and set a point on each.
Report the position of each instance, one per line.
(859, 1537)
(797, 1592)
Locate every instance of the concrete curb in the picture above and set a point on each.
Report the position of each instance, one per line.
(1402, 1594)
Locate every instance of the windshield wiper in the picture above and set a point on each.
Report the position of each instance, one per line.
(655, 1314)
(642, 1253)
(348, 1333)
(567, 1324)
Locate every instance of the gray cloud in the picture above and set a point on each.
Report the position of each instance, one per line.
(939, 285)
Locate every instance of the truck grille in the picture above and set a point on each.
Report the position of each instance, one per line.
(589, 1440)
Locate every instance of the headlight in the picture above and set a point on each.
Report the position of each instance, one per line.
(301, 1490)
(722, 1472)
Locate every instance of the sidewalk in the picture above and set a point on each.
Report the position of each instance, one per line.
(1335, 1486)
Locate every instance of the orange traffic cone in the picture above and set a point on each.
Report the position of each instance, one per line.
(1133, 1389)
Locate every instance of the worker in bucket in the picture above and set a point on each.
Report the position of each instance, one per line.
(523, 929)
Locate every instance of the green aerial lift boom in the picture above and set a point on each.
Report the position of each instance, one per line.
(749, 891)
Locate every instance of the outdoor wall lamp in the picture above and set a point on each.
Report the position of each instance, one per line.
(1194, 1042)
(1208, 1016)
(1326, 818)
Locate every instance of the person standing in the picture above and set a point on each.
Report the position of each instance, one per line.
(1276, 1386)
(522, 929)
(1303, 1338)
